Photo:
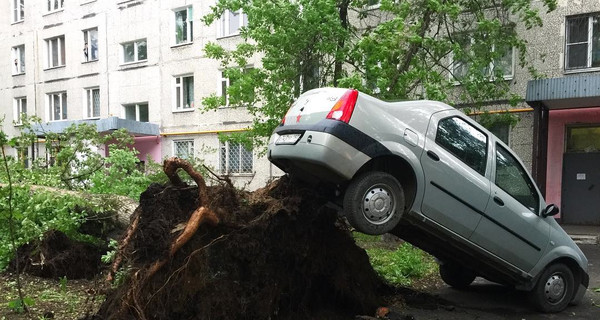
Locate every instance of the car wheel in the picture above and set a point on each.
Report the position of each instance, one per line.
(374, 203)
(456, 276)
(554, 289)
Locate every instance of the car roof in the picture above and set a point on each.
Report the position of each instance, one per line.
(423, 106)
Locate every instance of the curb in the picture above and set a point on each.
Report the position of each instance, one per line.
(584, 239)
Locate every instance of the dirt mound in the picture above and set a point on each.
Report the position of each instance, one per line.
(56, 255)
(276, 253)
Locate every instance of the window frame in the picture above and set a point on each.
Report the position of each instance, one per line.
(490, 68)
(61, 52)
(457, 156)
(88, 51)
(17, 15)
(224, 167)
(589, 43)
(181, 107)
(18, 109)
(89, 93)
(193, 149)
(136, 52)
(50, 101)
(136, 106)
(18, 54)
(224, 24)
(59, 3)
(188, 38)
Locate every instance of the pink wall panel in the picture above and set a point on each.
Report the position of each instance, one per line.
(148, 146)
(558, 121)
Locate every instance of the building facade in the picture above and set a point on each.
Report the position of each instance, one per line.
(134, 64)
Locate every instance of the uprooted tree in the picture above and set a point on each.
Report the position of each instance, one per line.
(409, 49)
(198, 252)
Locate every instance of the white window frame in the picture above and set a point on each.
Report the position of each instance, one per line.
(136, 53)
(191, 147)
(137, 110)
(373, 6)
(18, 54)
(61, 48)
(189, 23)
(50, 101)
(223, 25)
(18, 109)
(507, 76)
(224, 167)
(54, 5)
(88, 97)
(588, 43)
(87, 51)
(18, 10)
(183, 106)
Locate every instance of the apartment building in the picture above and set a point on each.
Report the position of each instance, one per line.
(134, 64)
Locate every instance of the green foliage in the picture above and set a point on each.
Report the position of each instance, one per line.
(62, 281)
(19, 306)
(404, 50)
(110, 255)
(401, 266)
(36, 213)
(490, 120)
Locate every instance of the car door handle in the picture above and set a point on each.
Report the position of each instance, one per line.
(433, 156)
(499, 201)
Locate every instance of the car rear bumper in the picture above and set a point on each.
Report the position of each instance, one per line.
(318, 154)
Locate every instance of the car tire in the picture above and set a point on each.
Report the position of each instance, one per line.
(554, 289)
(456, 276)
(374, 202)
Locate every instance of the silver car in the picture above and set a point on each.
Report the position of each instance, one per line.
(431, 175)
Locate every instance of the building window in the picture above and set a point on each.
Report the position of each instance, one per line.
(23, 156)
(18, 8)
(136, 112)
(18, 53)
(231, 22)
(225, 82)
(184, 92)
(54, 5)
(184, 26)
(56, 52)
(20, 109)
(235, 158)
(582, 42)
(183, 149)
(92, 102)
(502, 66)
(90, 45)
(57, 106)
(135, 51)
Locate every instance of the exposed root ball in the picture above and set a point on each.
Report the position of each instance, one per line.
(276, 253)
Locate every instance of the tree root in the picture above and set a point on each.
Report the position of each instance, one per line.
(123, 245)
(201, 215)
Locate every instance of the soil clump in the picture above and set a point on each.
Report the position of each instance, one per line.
(198, 252)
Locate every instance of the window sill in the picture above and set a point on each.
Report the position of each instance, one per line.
(53, 68)
(53, 12)
(183, 44)
(228, 36)
(87, 2)
(372, 7)
(16, 125)
(91, 61)
(18, 74)
(92, 118)
(17, 22)
(582, 70)
(128, 65)
(184, 110)
(239, 175)
(58, 120)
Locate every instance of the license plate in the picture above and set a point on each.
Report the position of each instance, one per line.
(288, 138)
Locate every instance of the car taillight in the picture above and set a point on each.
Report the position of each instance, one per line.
(343, 108)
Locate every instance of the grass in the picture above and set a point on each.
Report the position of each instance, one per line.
(399, 263)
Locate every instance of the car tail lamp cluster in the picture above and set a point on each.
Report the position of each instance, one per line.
(343, 108)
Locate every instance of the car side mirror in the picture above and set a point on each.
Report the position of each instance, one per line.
(551, 210)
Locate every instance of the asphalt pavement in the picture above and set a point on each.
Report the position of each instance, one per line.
(486, 300)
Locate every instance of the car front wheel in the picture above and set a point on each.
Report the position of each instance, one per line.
(554, 289)
(456, 276)
(374, 202)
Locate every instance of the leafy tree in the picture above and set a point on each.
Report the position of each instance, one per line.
(407, 49)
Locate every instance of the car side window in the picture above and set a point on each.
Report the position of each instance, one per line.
(513, 179)
(464, 141)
